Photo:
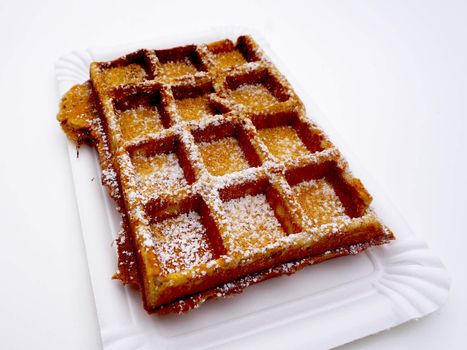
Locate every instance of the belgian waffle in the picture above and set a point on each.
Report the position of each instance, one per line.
(221, 178)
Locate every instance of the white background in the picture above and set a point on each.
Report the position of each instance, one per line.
(391, 76)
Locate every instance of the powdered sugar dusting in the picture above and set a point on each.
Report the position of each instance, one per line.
(189, 87)
(255, 97)
(283, 142)
(137, 121)
(173, 70)
(229, 59)
(194, 108)
(131, 73)
(158, 174)
(182, 242)
(223, 156)
(251, 223)
(321, 204)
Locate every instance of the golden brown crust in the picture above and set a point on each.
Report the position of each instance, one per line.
(221, 179)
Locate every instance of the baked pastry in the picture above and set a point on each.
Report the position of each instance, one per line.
(221, 178)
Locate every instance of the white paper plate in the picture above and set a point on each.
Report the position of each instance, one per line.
(321, 306)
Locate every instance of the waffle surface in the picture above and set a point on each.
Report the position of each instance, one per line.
(221, 178)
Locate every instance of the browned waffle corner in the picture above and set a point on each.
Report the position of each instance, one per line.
(221, 179)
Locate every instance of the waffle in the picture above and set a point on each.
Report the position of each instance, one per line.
(221, 178)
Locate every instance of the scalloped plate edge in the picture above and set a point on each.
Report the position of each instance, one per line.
(411, 282)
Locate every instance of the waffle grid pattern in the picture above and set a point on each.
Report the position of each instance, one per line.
(217, 168)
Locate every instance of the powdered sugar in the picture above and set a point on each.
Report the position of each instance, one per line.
(321, 204)
(251, 223)
(182, 242)
(283, 142)
(158, 174)
(223, 156)
(254, 97)
(248, 226)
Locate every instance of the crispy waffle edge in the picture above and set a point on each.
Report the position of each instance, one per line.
(83, 118)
